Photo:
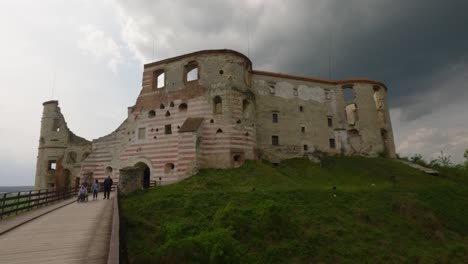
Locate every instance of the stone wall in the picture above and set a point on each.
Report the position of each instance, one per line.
(235, 108)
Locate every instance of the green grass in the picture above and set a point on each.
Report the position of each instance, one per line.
(381, 212)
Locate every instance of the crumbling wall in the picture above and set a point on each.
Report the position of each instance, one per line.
(56, 141)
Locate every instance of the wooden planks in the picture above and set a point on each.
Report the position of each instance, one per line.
(77, 233)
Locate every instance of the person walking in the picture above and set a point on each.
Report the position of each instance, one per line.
(95, 188)
(107, 186)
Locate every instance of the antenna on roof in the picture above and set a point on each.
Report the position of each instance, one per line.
(329, 54)
(248, 37)
(152, 58)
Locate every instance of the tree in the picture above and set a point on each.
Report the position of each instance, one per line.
(465, 155)
(443, 160)
(416, 157)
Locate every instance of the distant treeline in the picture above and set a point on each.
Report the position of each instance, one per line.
(4, 189)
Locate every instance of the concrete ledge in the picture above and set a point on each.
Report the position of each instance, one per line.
(13, 222)
(113, 256)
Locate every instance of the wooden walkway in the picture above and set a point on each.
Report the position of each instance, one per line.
(76, 233)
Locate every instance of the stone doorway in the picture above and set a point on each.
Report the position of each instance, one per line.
(145, 181)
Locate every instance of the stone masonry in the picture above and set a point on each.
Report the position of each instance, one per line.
(210, 109)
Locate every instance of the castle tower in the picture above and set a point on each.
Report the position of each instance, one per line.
(53, 143)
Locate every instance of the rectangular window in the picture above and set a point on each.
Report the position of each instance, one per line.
(141, 133)
(275, 118)
(301, 108)
(191, 71)
(348, 94)
(330, 121)
(52, 165)
(167, 129)
(275, 140)
(332, 143)
(306, 148)
(158, 79)
(303, 129)
(295, 92)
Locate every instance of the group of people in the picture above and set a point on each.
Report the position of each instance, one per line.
(95, 187)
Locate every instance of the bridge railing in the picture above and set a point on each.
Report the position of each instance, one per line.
(16, 202)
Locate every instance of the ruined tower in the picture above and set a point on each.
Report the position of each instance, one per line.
(58, 150)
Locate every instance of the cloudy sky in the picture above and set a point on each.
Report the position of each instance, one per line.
(89, 55)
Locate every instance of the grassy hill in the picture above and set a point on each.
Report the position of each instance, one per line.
(382, 211)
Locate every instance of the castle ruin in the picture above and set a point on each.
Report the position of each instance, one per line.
(210, 109)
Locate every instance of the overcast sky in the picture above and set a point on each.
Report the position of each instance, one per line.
(89, 55)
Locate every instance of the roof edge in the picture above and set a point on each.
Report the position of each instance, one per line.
(333, 82)
(196, 53)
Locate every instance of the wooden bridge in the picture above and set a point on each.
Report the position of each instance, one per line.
(64, 232)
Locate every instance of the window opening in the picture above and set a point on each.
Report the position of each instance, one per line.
(168, 113)
(275, 140)
(167, 129)
(271, 86)
(171, 104)
(301, 108)
(52, 165)
(303, 129)
(191, 70)
(219, 131)
(159, 79)
(169, 167)
(161, 106)
(275, 117)
(217, 105)
(141, 133)
(151, 114)
(330, 121)
(332, 143)
(348, 94)
(56, 125)
(295, 92)
(183, 107)
(306, 148)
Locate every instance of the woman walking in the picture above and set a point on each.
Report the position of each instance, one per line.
(95, 188)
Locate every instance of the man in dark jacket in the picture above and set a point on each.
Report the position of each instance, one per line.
(107, 187)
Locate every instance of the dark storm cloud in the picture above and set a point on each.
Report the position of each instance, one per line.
(409, 45)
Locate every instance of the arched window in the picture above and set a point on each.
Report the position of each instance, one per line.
(161, 106)
(191, 71)
(217, 105)
(151, 114)
(183, 107)
(168, 113)
(108, 171)
(219, 131)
